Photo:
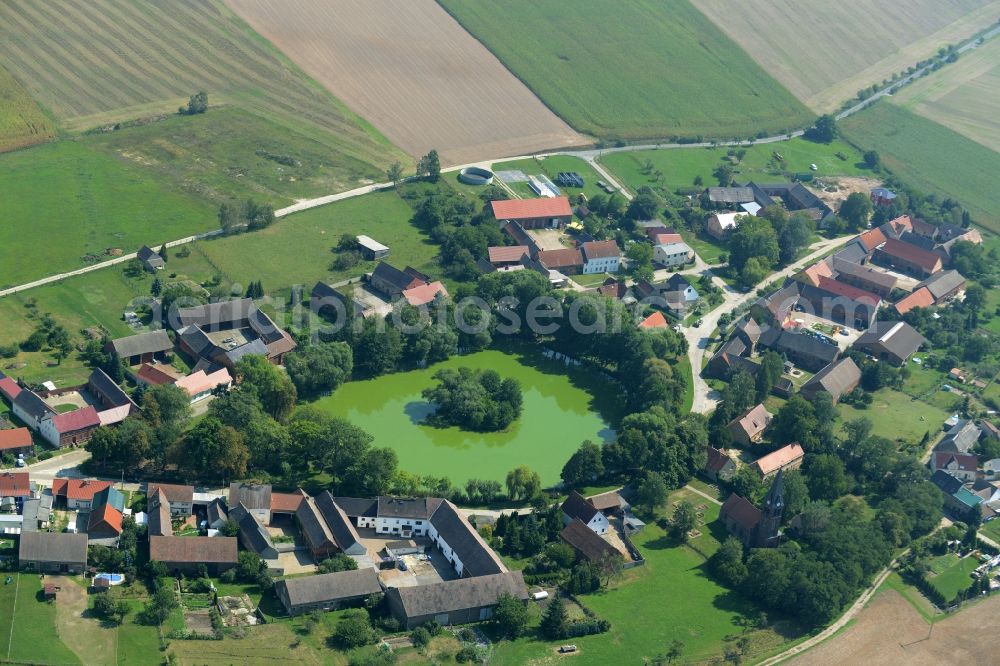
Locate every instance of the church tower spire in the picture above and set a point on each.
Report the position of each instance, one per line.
(772, 511)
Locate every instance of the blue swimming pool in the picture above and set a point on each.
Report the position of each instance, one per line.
(113, 578)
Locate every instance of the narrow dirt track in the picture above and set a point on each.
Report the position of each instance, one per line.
(412, 71)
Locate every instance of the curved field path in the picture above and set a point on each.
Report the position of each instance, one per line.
(414, 73)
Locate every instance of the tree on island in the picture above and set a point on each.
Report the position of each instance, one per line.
(474, 399)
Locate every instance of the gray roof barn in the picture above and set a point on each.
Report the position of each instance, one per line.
(576, 506)
(890, 340)
(477, 558)
(960, 438)
(250, 495)
(327, 588)
(586, 542)
(154, 342)
(53, 548)
(253, 535)
(457, 595)
(838, 378)
(943, 284)
(420, 508)
(344, 534)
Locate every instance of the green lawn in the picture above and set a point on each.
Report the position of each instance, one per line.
(955, 578)
(897, 416)
(931, 158)
(64, 201)
(551, 166)
(671, 597)
(991, 529)
(32, 637)
(709, 249)
(679, 167)
(633, 69)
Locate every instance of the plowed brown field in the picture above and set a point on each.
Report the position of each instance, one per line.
(414, 73)
(889, 631)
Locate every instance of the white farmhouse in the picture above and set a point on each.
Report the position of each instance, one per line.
(577, 506)
(672, 254)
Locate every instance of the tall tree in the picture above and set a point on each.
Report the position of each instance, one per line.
(273, 387)
(855, 210)
(555, 620)
(320, 367)
(211, 449)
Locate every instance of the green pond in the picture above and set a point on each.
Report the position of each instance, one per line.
(562, 407)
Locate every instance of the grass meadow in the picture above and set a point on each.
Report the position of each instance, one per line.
(955, 578)
(678, 167)
(28, 625)
(931, 158)
(64, 200)
(964, 96)
(22, 122)
(897, 416)
(690, 606)
(633, 69)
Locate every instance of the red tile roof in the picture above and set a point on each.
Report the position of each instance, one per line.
(818, 270)
(15, 439)
(601, 250)
(500, 254)
(965, 462)
(666, 239)
(556, 259)
(14, 484)
(173, 492)
(776, 460)
(526, 209)
(847, 291)
(76, 420)
(199, 382)
(928, 261)
(424, 294)
(655, 320)
(741, 511)
(78, 489)
(106, 515)
(901, 223)
(286, 502)
(921, 298)
(9, 388)
(154, 375)
(872, 238)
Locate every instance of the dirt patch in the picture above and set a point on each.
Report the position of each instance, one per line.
(85, 635)
(198, 622)
(844, 187)
(890, 631)
(414, 73)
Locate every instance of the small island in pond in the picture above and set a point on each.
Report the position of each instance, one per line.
(478, 400)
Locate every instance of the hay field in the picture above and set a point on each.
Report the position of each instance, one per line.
(964, 96)
(633, 69)
(824, 51)
(103, 61)
(891, 631)
(22, 123)
(413, 72)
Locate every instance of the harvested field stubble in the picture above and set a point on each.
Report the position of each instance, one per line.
(414, 73)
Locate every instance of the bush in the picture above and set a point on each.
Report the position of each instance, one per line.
(420, 637)
(228, 576)
(467, 654)
(353, 631)
(8, 351)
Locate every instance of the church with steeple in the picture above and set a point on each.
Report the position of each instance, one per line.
(756, 528)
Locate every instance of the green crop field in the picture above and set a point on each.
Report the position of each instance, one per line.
(634, 68)
(964, 96)
(931, 158)
(691, 606)
(678, 167)
(22, 122)
(64, 201)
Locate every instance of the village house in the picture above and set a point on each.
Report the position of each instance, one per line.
(16, 441)
(200, 385)
(552, 212)
(786, 458)
(670, 255)
(837, 379)
(180, 497)
(719, 465)
(370, 248)
(77, 494)
(187, 554)
(589, 547)
(454, 602)
(962, 466)
(891, 341)
(577, 507)
(424, 294)
(14, 485)
(158, 514)
(141, 348)
(567, 261)
(327, 592)
(655, 320)
(601, 257)
(151, 260)
(731, 358)
(720, 225)
(393, 282)
(957, 498)
(53, 552)
(881, 196)
(104, 525)
(749, 428)
(918, 298)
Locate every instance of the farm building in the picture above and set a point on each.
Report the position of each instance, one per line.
(326, 528)
(588, 546)
(506, 255)
(837, 379)
(721, 225)
(253, 535)
(749, 427)
(158, 514)
(104, 524)
(803, 350)
(960, 438)
(863, 277)
(16, 441)
(371, 249)
(601, 256)
(15, 484)
(839, 302)
(200, 385)
(918, 298)
(424, 294)
(454, 602)
(907, 258)
(944, 285)
(892, 341)
(548, 212)
(151, 260)
(225, 331)
(141, 348)
(730, 196)
(53, 552)
(255, 497)
(881, 196)
(327, 591)
(186, 554)
(576, 507)
(655, 320)
(786, 458)
(392, 282)
(567, 261)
